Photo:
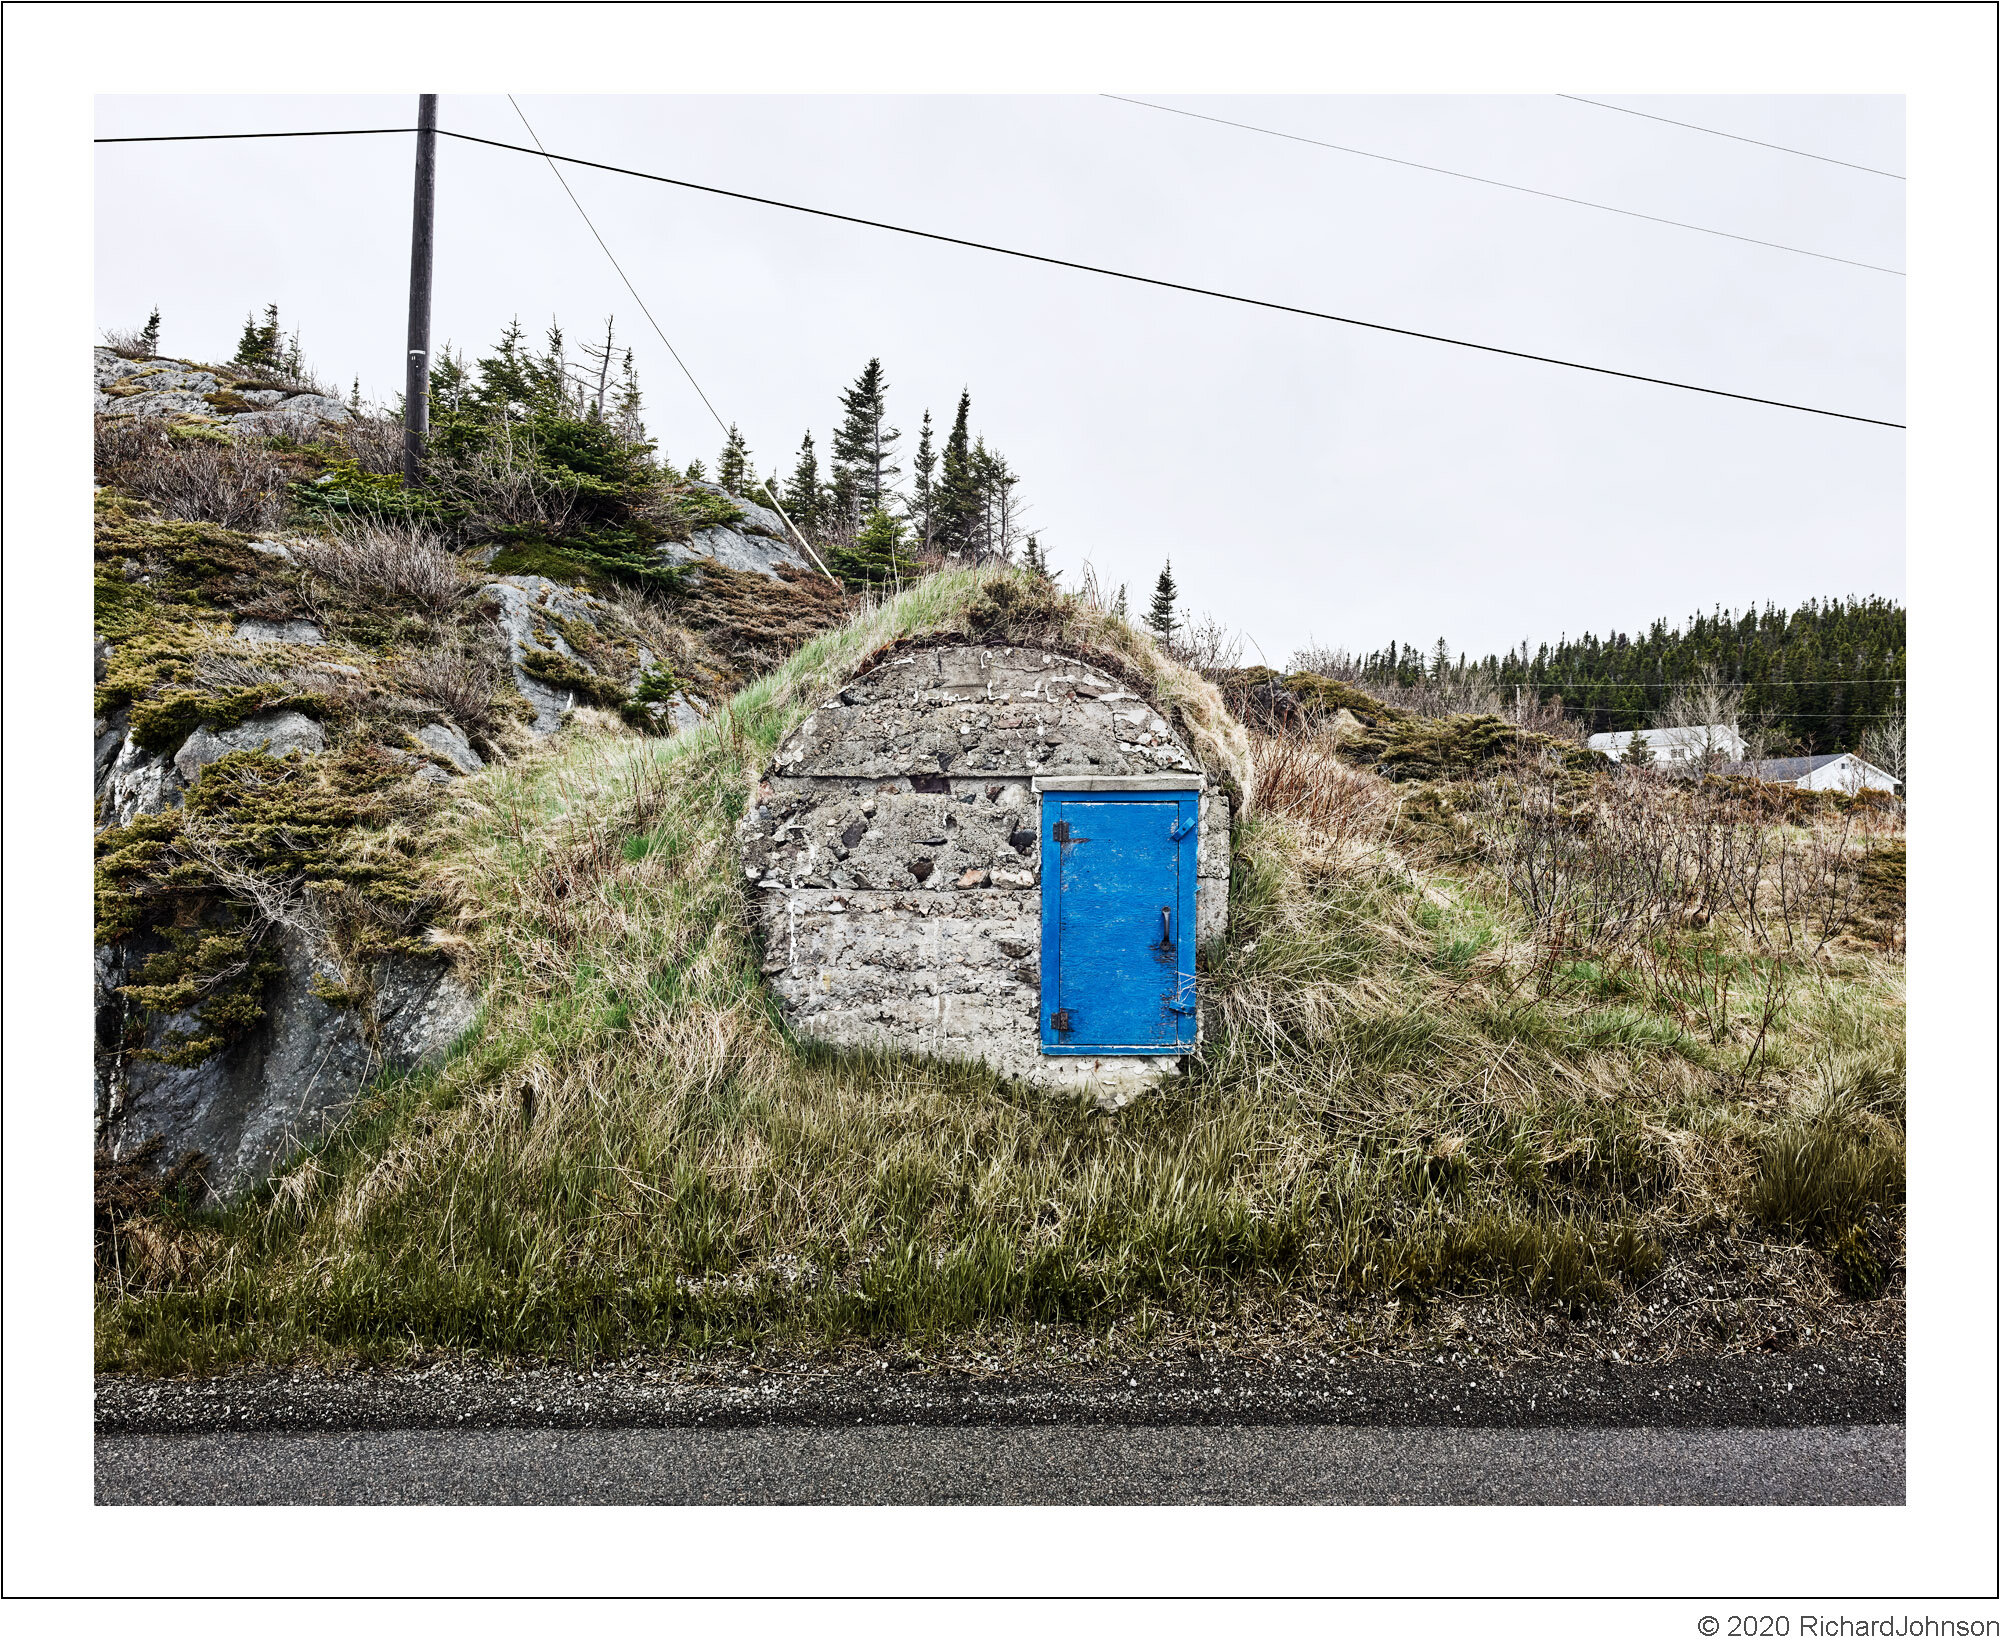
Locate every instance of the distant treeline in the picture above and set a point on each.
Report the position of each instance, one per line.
(1821, 675)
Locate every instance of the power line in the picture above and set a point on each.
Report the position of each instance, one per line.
(648, 313)
(1143, 279)
(1174, 285)
(556, 171)
(1734, 137)
(230, 136)
(1494, 182)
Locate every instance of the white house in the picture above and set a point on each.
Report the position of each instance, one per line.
(1847, 772)
(1676, 745)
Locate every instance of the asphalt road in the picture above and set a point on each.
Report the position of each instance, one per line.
(1011, 1464)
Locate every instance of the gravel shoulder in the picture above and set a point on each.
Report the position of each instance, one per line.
(1812, 1388)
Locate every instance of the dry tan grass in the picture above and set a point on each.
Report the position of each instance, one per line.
(1343, 810)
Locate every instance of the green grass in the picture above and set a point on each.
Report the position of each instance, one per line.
(632, 1154)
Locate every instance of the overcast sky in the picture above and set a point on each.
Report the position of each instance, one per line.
(1311, 482)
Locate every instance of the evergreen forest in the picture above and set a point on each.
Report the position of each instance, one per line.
(1818, 676)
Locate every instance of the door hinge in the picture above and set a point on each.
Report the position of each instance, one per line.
(1059, 1022)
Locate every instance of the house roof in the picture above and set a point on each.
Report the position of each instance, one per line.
(1792, 769)
(1661, 737)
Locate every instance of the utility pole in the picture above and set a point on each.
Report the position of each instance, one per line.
(417, 377)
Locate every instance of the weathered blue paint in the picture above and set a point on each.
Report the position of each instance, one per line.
(1118, 890)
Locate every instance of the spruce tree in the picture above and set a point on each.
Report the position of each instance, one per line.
(1118, 606)
(506, 378)
(149, 335)
(923, 499)
(260, 344)
(864, 444)
(1639, 752)
(877, 556)
(732, 468)
(626, 407)
(1160, 618)
(802, 491)
(958, 508)
(451, 390)
(997, 528)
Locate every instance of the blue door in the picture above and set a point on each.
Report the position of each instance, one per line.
(1118, 887)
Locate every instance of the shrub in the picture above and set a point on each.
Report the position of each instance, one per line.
(374, 445)
(462, 682)
(388, 562)
(195, 471)
(1613, 862)
(135, 342)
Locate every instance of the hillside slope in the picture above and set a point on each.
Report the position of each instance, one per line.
(296, 663)
(1421, 1109)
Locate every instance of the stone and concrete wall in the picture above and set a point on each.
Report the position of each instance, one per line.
(892, 854)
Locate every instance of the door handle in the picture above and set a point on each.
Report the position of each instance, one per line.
(1166, 927)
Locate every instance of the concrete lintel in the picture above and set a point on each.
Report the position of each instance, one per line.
(1151, 780)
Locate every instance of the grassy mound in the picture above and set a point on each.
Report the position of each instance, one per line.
(1395, 1104)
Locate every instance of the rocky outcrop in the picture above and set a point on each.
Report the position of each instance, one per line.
(757, 542)
(278, 733)
(536, 618)
(321, 1030)
(257, 631)
(449, 744)
(287, 1081)
(179, 388)
(529, 613)
(135, 782)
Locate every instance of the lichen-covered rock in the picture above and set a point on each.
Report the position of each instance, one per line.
(737, 549)
(179, 388)
(891, 853)
(448, 743)
(757, 541)
(294, 631)
(292, 415)
(137, 783)
(278, 732)
(529, 613)
(288, 1081)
